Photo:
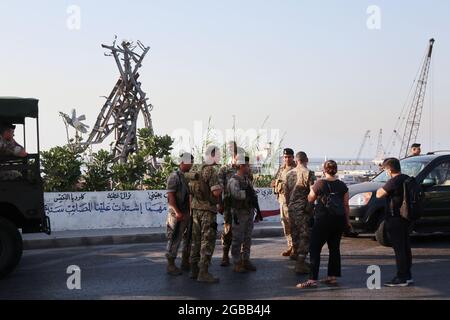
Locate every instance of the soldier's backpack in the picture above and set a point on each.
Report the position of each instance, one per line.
(199, 188)
(412, 206)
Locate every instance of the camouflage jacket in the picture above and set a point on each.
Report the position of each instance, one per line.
(226, 172)
(298, 185)
(209, 175)
(280, 182)
(237, 190)
(9, 147)
(177, 184)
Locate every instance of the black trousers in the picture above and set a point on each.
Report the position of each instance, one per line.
(397, 229)
(326, 229)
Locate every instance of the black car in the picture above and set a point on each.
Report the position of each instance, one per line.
(432, 171)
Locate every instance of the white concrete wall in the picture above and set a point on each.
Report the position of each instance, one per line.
(122, 209)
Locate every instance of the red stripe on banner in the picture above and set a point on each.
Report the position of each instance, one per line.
(270, 213)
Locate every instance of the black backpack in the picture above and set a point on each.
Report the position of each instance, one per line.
(412, 206)
(333, 202)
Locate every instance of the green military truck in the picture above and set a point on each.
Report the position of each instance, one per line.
(21, 197)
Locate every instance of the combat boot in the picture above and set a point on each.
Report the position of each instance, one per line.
(248, 265)
(239, 267)
(287, 253)
(205, 276)
(172, 269)
(194, 271)
(225, 258)
(301, 266)
(185, 265)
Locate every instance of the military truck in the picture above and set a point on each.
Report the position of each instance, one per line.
(21, 197)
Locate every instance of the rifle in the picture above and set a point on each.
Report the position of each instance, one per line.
(253, 200)
(189, 234)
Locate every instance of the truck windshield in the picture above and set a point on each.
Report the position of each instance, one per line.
(410, 166)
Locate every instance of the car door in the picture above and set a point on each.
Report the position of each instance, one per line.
(436, 185)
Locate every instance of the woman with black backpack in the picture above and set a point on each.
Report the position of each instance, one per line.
(330, 221)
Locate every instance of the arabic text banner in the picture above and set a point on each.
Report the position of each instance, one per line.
(121, 209)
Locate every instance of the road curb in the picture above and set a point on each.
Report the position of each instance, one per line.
(83, 241)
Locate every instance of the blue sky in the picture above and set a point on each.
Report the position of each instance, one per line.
(313, 67)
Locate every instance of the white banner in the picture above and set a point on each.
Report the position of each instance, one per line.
(122, 209)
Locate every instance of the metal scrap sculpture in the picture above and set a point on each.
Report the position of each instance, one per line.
(125, 103)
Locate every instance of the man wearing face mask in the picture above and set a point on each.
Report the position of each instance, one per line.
(397, 227)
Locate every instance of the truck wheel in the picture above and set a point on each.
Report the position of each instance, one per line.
(10, 247)
(381, 235)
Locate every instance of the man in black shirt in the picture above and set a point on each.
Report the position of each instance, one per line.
(397, 227)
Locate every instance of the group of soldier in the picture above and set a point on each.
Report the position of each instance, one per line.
(197, 194)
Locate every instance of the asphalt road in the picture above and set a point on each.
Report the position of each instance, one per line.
(138, 272)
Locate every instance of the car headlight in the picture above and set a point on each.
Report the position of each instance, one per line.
(360, 199)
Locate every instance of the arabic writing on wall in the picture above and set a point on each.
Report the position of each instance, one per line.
(101, 202)
(118, 209)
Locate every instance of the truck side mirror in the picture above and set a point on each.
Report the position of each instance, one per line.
(427, 183)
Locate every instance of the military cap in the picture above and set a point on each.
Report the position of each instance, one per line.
(7, 126)
(288, 152)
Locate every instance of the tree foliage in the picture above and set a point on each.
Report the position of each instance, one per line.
(61, 168)
(98, 172)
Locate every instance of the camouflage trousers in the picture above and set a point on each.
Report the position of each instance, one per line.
(242, 235)
(176, 234)
(286, 223)
(300, 219)
(227, 234)
(204, 232)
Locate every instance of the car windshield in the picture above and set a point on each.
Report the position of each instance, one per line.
(410, 166)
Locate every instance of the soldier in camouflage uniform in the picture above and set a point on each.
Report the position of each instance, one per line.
(278, 184)
(243, 216)
(206, 202)
(226, 172)
(9, 147)
(178, 217)
(298, 184)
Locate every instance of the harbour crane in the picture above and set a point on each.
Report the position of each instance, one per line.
(379, 156)
(415, 112)
(361, 148)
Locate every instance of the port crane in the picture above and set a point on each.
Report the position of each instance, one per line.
(412, 124)
(361, 148)
(379, 156)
